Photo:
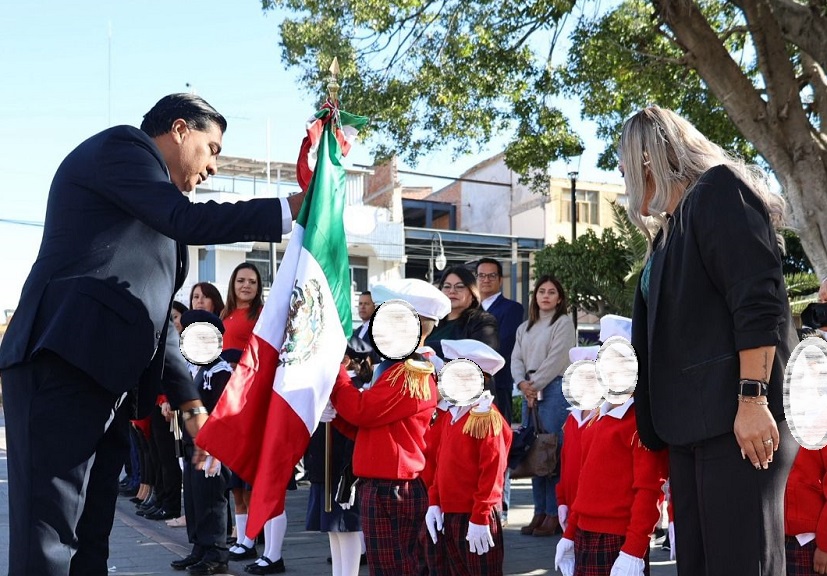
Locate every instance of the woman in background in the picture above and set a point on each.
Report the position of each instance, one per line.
(539, 359)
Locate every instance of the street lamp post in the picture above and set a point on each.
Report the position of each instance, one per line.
(573, 179)
(440, 260)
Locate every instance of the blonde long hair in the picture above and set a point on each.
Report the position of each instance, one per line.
(677, 154)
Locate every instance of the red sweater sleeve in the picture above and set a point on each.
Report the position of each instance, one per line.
(821, 527)
(651, 469)
(379, 405)
(493, 459)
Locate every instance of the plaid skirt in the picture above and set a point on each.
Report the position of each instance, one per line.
(393, 514)
(457, 558)
(594, 553)
(799, 558)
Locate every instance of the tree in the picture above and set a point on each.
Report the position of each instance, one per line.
(749, 73)
(593, 271)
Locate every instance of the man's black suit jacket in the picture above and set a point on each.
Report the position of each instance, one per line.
(112, 256)
(715, 288)
(509, 315)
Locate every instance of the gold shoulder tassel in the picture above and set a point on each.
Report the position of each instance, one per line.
(479, 425)
(415, 376)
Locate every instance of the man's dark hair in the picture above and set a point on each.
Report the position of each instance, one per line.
(490, 261)
(179, 307)
(194, 110)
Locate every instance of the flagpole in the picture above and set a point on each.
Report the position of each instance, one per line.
(333, 92)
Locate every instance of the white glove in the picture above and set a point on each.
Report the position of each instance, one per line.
(627, 565)
(479, 538)
(671, 540)
(212, 467)
(564, 557)
(484, 403)
(349, 504)
(328, 414)
(433, 521)
(563, 516)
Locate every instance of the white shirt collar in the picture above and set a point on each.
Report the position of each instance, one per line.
(443, 405)
(581, 416)
(486, 304)
(363, 329)
(618, 412)
(458, 412)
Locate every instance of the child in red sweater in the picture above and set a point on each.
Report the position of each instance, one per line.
(616, 506)
(805, 514)
(466, 492)
(571, 455)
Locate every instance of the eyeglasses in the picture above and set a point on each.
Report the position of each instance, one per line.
(455, 287)
(484, 276)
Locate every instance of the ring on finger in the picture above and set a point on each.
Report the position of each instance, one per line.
(768, 441)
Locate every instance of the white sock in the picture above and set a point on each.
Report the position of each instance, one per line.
(274, 531)
(350, 552)
(335, 553)
(240, 527)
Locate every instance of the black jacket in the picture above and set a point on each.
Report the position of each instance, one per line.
(112, 256)
(716, 287)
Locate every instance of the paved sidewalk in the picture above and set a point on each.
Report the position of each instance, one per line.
(143, 547)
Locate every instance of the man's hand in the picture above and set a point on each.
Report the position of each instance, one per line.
(295, 202)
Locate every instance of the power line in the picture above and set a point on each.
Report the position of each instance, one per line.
(21, 222)
(451, 178)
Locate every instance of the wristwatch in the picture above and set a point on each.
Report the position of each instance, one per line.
(192, 412)
(752, 388)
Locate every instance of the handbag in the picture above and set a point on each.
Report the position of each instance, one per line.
(542, 456)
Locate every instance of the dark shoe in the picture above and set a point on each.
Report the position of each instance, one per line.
(147, 511)
(535, 522)
(208, 567)
(246, 555)
(549, 527)
(184, 563)
(276, 567)
(363, 560)
(128, 490)
(135, 500)
(150, 502)
(162, 514)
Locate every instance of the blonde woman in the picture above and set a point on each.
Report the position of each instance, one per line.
(713, 333)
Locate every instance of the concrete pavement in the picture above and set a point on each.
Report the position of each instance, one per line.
(143, 547)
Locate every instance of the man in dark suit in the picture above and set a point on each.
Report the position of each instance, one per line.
(93, 323)
(509, 315)
(366, 308)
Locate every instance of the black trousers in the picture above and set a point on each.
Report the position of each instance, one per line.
(168, 472)
(504, 402)
(205, 506)
(729, 517)
(67, 439)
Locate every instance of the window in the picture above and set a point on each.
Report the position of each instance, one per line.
(206, 265)
(261, 260)
(359, 278)
(588, 207)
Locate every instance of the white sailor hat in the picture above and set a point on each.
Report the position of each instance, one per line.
(486, 357)
(583, 353)
(427, 300)
(612, 325)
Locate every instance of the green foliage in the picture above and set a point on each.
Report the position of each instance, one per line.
(592, 270)
(794, 259)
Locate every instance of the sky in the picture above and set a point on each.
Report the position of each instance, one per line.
(64, 77)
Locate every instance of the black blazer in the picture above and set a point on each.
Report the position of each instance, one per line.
(112, 256)
(509, 315)
(716, 287)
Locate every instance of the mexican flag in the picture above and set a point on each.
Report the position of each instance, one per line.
(263, 422)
